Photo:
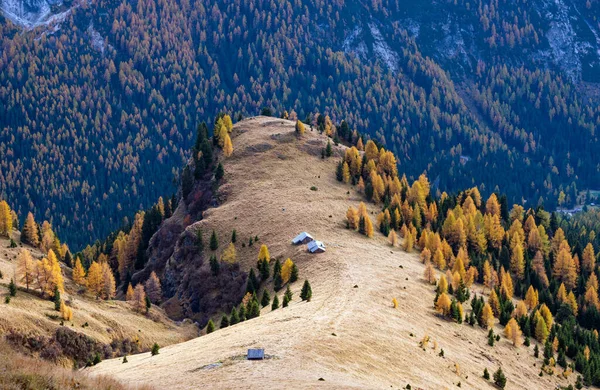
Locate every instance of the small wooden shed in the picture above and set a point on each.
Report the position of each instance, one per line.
(316, 247)
(302, 238)
(256, 354)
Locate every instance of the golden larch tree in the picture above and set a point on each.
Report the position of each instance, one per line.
(425, 255)
(547, 316)
(263, 254)
(393, 238)
(95, 279)
(227, 146)
(345, 172)
(129, 295)
(139, 298)
(109, 287)
(487, 316)
(531, 298)
(517, 262)
(153, 288)
(513, 332)
(429, 274)
(29, 232)
(541, 329)
(79, 273)
(492, 206)
(229, 255)
(66, 312)
(442, 304)
(286, 270)
(26, 268)
(494, 303)
(6, 219)
(589, 258)
(520, 310)
(352, 218)
(439, 260)
(56, 280)
(442, 285)
(299, 128)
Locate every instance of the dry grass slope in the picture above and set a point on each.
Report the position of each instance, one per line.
(349, 334)
(107, 320)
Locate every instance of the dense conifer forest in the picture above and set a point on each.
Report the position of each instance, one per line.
(100, 109)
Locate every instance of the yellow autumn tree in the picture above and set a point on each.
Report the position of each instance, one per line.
(589, 258)
(492, 206)
(286, 270)
(517, 263)
(561, 294)
(345, 172)
(393, 238)
(541, 329)
(56, 278)
(439, 260)
(352, 218)
(29, 232)
(65, 312)
(520, 310)
(547, 316)
(531, 298)
(129, 295)
(487, 316)
(229, 255)
(513, 332)
(425, 255)
(299, 128)
(26, 268)
(409, 242)
(572, 302)
(442, 285)
(79, 273)
(227, 145)
(6, 219)
(139, 298)
(95, 279)
(442, 304)
(263, 253)
(494, 303)
(506, 286)
(109, 287)
(368, 226)
(429, 274)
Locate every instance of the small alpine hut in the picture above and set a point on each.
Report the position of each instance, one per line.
(302, 238)
(256, 354)
(316, 247)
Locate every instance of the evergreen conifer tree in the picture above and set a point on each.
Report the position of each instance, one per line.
(224, 322)
(306, 293)
(214, 241)
(12, 288)
(275, 304)
(210, 327)
(266, 299)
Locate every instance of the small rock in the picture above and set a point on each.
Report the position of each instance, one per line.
(322, 380)
(356, 286)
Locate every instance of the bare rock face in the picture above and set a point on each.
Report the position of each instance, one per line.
(28, 13)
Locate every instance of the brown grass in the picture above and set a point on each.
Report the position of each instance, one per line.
(18, 372)
(350, 336)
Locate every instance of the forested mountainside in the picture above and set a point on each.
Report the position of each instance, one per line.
(102, 102)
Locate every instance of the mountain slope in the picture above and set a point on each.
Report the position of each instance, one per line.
(349, 334)
(31, 323)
